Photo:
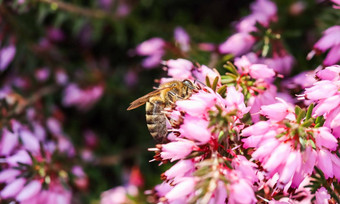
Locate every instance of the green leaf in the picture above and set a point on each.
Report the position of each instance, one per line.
(308, 123)
(214, 85)
(297, 110)
(207, 81)
(230, 67)
(228, 78)
(319, 121)
(301, 115)
(309, 111)
(222, 90)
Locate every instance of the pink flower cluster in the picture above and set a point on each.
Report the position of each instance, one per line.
(29, 173)
(82, 98)
(329, 41)
(326, 94)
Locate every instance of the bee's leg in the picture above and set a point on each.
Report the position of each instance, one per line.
(173, 97)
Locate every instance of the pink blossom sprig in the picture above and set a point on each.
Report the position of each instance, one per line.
(291, 144)
(31, 170)
(204, 142)
(329, 41)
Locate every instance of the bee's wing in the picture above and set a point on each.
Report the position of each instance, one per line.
(142, 100)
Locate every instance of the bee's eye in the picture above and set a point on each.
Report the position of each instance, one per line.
(188, 83)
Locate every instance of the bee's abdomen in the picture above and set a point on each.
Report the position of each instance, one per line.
(156, 121)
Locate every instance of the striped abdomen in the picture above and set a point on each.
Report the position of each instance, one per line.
(156, 120)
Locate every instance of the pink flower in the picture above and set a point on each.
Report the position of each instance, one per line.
(8, 142)
(116, 195)
(240, 191)
(331, 73)
(245, 167)
(256, 129)
(325, 163)
(152, 60)
(6, 56)
(260, 71)
(163, 188)
(13, 188)
(325, 106)
(61, 77)
(203, 71)
(8, 175)
(153, 49)
(263, 11)
(30, 141)
(302, 80)
(177, 150)
(336, 165)
(182, 189)
(324, 138)
(42, 74)
(292, 165)
(237, 44)
(199, 103)
(20, 156)
(281, 64)
(195, 129)
(180, 169)
(277, 157)
(150, 47)
(336, 2)
(276, 111)
(235, 101)
(330, 40)
(82, 98)
(180, 69)
(322, 196)
(30, 190)
(182, 38)
(321, 90)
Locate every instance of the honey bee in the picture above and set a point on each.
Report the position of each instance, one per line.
(156, 101)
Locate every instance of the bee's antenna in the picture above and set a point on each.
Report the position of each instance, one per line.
(199, 82)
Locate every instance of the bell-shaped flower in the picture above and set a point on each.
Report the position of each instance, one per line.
(322, 196)
(195, 129)
(182, 189)
(177, 150)
(237, 44)
(276, 111)
(261, 71)
(324, 138)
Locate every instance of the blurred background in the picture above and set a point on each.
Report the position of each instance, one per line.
(78, 59)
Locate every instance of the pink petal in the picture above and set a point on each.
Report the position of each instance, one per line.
(237, 44)
(322, 196)
(30, 142)
(149, 47)
(182, 189)
(8, 175)
(276, 111)
(180, 169)
(292, 165)
(327, 105)
(13, 188)
(6, 56)
(278, 156)
(333, 56)
(256, 129)
(177, 150)
(261, 71)
(325, 139)
(325, 163)
(8, 141)
(29, 190)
